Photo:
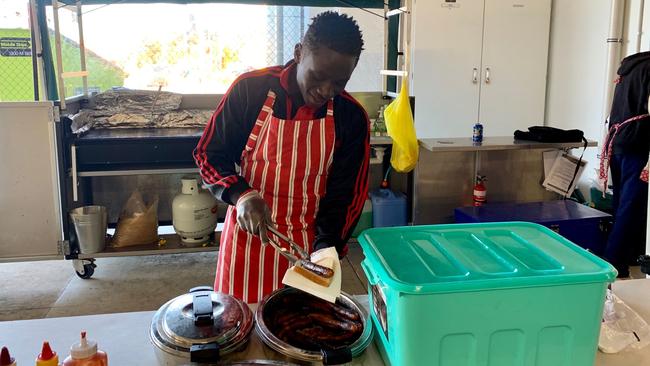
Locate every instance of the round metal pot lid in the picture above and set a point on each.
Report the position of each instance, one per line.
(203, 316)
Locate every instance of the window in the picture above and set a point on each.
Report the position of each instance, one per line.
(16, 71)
(196, 48)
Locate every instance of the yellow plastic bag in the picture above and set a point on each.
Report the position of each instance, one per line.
(399, 123)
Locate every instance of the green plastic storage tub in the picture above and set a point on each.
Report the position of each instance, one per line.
(493, 294)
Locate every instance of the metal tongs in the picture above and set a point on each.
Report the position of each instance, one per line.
(302, 262)
(302, 253)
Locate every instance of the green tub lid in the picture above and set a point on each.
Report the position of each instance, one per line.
(464, 257)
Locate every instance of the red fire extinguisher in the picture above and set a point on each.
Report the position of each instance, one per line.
(480, 192)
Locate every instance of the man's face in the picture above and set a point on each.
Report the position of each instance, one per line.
(322, 73)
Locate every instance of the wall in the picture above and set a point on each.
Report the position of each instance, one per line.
(577, 61)
(633, 12)
(366, 76)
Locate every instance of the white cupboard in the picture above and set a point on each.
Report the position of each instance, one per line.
(479, 60)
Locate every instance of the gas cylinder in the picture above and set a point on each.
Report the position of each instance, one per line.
(480, 192)
(194, 213)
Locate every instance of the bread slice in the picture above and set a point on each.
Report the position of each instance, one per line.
(314, 277)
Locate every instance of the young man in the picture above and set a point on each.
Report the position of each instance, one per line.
(301, 144)
(627, 150)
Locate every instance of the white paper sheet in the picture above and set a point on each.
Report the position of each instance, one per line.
(549, 159)
(561, 174)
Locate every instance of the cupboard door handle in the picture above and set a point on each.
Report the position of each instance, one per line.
(475, 76)
(487, 75)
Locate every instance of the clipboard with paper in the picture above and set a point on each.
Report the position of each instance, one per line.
(564, 174)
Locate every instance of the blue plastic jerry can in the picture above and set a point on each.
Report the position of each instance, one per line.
(388, 208)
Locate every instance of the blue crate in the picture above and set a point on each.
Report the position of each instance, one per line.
(580, 224)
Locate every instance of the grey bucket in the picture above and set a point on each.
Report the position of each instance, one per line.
(90, 226)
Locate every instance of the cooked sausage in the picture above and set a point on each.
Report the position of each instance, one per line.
(317, 269)
(323, 336)
(330, 322)
(340, 310)
(284, 319)
(310, 323)
(300, 341)
(324, 306)
(295, 325)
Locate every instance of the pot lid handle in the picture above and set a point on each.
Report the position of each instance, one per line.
(204, 353)
(202, 306)
(337, 357)
(200, 288)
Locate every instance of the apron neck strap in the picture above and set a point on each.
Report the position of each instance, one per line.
(270, 102)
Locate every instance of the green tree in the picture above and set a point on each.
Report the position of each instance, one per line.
(151, 54)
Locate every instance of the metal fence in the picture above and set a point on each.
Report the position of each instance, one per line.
(16, 71)
(284, 28)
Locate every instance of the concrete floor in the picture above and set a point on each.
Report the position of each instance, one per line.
(48, 289)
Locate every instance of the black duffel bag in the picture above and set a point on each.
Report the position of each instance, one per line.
(549, 134)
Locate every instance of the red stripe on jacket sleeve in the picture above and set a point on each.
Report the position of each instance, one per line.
(208, 172)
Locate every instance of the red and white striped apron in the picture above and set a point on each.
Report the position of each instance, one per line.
(608, 147)
(287, 161)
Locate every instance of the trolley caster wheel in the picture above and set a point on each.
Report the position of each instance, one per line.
(84, 268)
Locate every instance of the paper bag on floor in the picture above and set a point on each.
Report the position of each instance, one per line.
(138, 222)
